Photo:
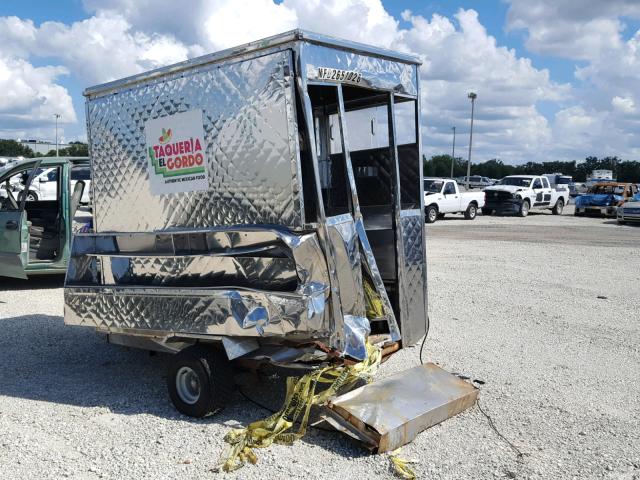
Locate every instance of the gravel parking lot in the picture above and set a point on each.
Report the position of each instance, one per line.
(544, 310)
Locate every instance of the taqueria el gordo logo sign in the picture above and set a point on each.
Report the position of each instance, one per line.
(176, 153)
(178, 158)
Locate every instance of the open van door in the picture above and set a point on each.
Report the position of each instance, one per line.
(14, 227)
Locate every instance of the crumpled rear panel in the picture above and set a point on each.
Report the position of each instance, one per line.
(251, 154)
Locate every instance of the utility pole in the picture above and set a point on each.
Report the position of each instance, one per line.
(473, 97)
(57, 115)
(453, 150)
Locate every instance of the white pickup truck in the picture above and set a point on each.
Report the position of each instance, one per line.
(519, 194)
(442, 195)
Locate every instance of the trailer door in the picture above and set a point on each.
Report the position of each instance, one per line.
(404, 133)
(384, 165)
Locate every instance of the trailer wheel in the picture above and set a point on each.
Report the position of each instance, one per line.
(487, 211)
(559, 206)
(200, 381)
(431, 214)
(471, 212)
(524, 209)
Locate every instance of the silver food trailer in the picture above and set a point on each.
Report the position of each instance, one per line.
(263, 203)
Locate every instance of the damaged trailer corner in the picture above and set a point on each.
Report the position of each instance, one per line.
(263, 203)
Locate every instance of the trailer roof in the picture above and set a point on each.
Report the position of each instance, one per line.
(265, 43)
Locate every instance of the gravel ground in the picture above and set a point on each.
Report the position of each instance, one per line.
(544, 310)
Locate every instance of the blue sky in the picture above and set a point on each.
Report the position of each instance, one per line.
(557, 80)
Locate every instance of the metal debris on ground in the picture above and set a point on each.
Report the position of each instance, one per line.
(301, 396)
(391, 412)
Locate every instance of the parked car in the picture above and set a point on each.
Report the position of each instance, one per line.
(518, 194)
(604, 198)
(44, 187)
(35, 234)
(629, 211)
(576, 189)
(442, 195)
(476, 181)
(558, 180)
(6, 162)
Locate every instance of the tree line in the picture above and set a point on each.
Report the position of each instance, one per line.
(623, 170)
(11, 148)
(436, 166)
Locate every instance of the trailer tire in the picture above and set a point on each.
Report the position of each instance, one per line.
(471, 212)
(431, 214)
(524, 208)
(558, 207)
(200, 381)
(487, 211)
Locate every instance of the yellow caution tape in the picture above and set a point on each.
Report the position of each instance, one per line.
(301, 395)
(374, 306)
(401, 466)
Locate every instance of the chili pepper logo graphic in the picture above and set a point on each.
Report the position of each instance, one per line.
(166, 136)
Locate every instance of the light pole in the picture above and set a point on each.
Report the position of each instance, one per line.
(473, 97)
(453, 150)
(57, 115)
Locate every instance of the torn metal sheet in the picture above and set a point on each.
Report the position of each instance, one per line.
(354, 327)
(389, 413)
(287, 356)
(236, 347)
(145, 290)
(185, 312)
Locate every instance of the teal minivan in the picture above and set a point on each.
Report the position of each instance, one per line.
(36, 230)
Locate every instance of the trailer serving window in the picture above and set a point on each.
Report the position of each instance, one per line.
(331, 159)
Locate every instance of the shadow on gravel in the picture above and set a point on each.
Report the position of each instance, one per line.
(34, 283)
(615, 222)
(44, 360)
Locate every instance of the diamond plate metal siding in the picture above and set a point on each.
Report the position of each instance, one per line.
(215, 312)
(252, 165)
(413, 282)
(344, 243)
(145, 290)
(275, 274)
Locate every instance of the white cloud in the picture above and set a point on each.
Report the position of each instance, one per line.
(30, 97)
(607, 74)
(622, 104)
(16, 36)
(577, 29)
(123, 37)
(105, 47)
(461, 58)
(101, 48)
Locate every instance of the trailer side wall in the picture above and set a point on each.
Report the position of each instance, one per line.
(250, 152)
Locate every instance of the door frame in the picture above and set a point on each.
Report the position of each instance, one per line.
(14, 263)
